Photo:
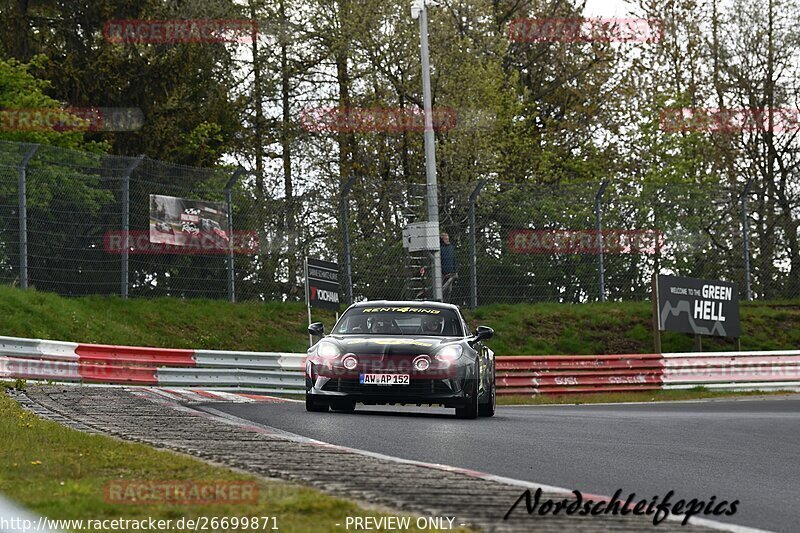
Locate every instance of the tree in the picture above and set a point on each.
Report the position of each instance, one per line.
(183, 89)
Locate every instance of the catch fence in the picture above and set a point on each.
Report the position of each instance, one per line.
(63, 213)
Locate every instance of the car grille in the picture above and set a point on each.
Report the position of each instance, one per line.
(417, 387)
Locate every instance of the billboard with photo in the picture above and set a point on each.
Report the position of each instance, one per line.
(185, 222)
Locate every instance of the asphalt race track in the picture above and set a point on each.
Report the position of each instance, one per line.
(743, 449)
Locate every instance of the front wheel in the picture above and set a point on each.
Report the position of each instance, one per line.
(471, 409)
(314, 406)
(487, 409)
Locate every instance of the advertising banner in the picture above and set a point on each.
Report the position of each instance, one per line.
(184, 222)
(322, 284)
(698, 306)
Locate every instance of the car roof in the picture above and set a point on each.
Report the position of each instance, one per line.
(405, 303)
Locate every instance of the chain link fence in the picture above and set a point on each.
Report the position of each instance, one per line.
(62, 214)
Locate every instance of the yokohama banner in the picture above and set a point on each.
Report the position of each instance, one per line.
(322, 284)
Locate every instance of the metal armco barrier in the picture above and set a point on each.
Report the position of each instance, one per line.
(566, 374)
(774, 370)
(560, 374)
(282, 372)
(98, 363)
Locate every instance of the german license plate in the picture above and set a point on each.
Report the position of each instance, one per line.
(384, 379)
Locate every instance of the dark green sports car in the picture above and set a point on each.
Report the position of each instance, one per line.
(415, 353)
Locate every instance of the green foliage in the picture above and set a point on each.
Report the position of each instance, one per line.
(184, 90)
(21, 90)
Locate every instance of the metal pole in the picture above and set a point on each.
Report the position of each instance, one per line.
(23, 217)
(126, 222)
(430, 146)
(746, 239)
(310, 339)
(656, 314)
(348, 272)
(598, 217)
(229, 261)
(473, 198)
(308, 300)
(229, 204)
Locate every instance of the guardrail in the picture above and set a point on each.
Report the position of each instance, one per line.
(564, 374)
(282, 372)
(733, 370)
(549, 374)
(97, 363)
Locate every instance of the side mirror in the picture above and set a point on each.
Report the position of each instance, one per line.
(316, 329)
(483, 333)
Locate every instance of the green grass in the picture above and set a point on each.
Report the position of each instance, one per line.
(697, 393)
(61, 473)
(164, 322)
(618, 328)
(522, 329)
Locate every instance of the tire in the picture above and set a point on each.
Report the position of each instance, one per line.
(314, 406)
(470, 411)
(343, 406)
(487, 409)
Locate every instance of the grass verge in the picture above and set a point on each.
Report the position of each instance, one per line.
(697, 393)
(625, 327)
(62, 473)
(522, 329)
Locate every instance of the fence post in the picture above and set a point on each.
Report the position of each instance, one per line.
(229, 207)
(126, 201)
(23, 217)
(473, 260)
(348, 272)
(746, 239)
(598, 217)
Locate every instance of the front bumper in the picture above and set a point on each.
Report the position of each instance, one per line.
(449, 387)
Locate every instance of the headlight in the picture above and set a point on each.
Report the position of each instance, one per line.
(328, 350)
(450, 353)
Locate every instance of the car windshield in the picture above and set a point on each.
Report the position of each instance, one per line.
(405, 320)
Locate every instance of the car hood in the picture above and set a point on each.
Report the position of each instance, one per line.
(389, 344)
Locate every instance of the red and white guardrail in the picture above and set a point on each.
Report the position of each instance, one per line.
(96, 363)
(282, 372)
(559, 374)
